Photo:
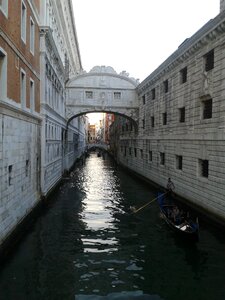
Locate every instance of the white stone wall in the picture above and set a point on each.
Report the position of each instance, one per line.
(19, 170)
(196, 138)
(59, 47)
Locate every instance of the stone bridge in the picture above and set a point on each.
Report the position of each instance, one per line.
(102, 90)
(98, 145)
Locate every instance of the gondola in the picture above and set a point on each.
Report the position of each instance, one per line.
(177, 218)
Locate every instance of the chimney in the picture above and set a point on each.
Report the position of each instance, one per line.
(222, 5)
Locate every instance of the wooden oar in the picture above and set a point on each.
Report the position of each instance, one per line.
(140, 208)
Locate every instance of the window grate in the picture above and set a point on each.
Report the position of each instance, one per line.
(207, 109)
(182, 114)
(204, 167)
(209, 61)
(183, 75)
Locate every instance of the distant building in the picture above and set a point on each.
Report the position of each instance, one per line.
(91, 134)
(109, 119)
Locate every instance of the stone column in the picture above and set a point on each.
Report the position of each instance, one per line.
(222, 5)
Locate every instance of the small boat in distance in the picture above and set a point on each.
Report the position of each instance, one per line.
(177, 218)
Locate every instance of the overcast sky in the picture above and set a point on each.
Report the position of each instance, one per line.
(136, 35)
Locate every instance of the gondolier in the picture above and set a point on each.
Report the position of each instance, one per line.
(170, 187)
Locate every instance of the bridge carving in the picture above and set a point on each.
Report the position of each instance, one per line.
(102, 90)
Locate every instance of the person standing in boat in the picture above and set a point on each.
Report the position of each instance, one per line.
(170, 187)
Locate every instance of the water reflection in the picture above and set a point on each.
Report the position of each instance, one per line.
(85, 245)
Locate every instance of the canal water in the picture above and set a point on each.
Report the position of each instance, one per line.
(86, 246)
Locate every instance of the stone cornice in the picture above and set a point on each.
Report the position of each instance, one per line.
(122, 75)
(13, 111)
(208, 33)
(75, 32)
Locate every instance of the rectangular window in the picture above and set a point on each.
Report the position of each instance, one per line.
(152, 122)
(179, 162)
(23, 22)
(131, 126)
(32, 35)
(130, 151)
(150, 155)
(89, 94)
(135, 152)
(27, 168)
(204, 167)
(32, 99)
(23, 88)
(182, 114)
(141, 153)
(125, 151)
(10, 175)
(207, 109)
(164, 118)
(183, 75)
(143, 123)
(4, 7)
(209, 60)
(162, 158)
(143, 99)
(117, 95)
(3, 75)
(166, 86)
(153, 93)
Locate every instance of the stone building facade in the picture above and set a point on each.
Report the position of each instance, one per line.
(39, 52)
(20, 120)
(182, 121)
(62, 142)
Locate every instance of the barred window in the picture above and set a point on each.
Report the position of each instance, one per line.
(182, 114)
(143, 123)
(153, 93)
(183, 75)
(209, 60)
(204, 167)
(117, 95)
(152, 121)
(207, 109)
(10, 174)
(27, 168)
(89, 94)
(162, 158)
(166, 86)
(179, 162)
(164, 118)
(150, 155)
(143, 99)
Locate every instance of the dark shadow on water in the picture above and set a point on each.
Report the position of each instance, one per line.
(137, 295)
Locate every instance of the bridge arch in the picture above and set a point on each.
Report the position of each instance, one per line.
(133, 121)
(102, 90)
